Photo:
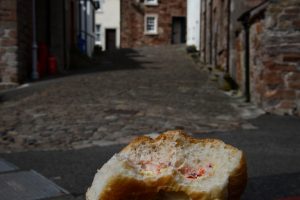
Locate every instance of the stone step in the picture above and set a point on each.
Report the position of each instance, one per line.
(6, 166)
(26, 185)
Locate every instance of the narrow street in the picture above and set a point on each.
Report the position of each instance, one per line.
(67, 128)
(81, 79)
(126, 93)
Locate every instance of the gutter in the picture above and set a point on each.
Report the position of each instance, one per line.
(246, 20)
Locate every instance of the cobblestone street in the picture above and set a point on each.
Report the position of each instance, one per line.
(127, 93)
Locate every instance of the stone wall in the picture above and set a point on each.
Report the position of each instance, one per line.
(219, 25)
(274, 49)
(15, 42)
(8, 43)
(281, 58)
(239, 72)
(274, 58)
(207, 31)
(132, 25)
(255, 58)
(221, 34)
(16, 36)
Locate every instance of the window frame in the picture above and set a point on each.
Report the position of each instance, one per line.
(98, 32)
(151, 2)
(155, 31)
(100, 9)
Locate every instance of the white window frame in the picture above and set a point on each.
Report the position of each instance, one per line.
(151, 2)
(151, 32)
(98, 41)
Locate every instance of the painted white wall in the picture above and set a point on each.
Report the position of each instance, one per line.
(85, 24)
(109, 17)
(193, 23)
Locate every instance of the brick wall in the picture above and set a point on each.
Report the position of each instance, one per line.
(274, 52)
(239, 72)
(132, 26)
(282, 57)
(15, 42)
(274, 58)
(221, 33)
(208, 32)
(256, 65)
(8, 42)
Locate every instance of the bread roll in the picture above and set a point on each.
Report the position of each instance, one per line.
(172, 166)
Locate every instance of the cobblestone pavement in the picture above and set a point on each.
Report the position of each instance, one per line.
(129, 93)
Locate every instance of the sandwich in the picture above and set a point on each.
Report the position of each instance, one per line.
(172, 166)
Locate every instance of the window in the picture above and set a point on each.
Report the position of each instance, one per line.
(151, 2)
(151, 24)
(98, 5)
(98, 32)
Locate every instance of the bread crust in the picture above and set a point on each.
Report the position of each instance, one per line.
(238, 180)
(122, 187)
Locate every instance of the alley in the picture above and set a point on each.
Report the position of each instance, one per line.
(126, 93)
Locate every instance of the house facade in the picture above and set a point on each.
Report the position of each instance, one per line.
(107, 27)
(193, 23)
(257, 42)
(85, 22)
(9, 44)
(152, 22)
(36, 37)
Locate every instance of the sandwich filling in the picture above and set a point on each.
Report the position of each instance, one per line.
(152, 168)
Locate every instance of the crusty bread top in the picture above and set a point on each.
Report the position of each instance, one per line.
(172, 162)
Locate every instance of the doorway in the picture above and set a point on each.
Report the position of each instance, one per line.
(110, 39)
(178, 30)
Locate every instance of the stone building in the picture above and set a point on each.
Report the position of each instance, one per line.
(9, 39)
(83, 20)
(258, 43)
(152, 22)
(108, 20)
(33, 32)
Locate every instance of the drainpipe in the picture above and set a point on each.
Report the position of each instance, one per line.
(35, 74)
(246, 24)
(246, 21)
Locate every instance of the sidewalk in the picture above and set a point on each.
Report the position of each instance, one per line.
(272, 153)
(26, 185)
(69, 127)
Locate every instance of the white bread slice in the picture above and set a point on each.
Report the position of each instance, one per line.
(172, 166)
